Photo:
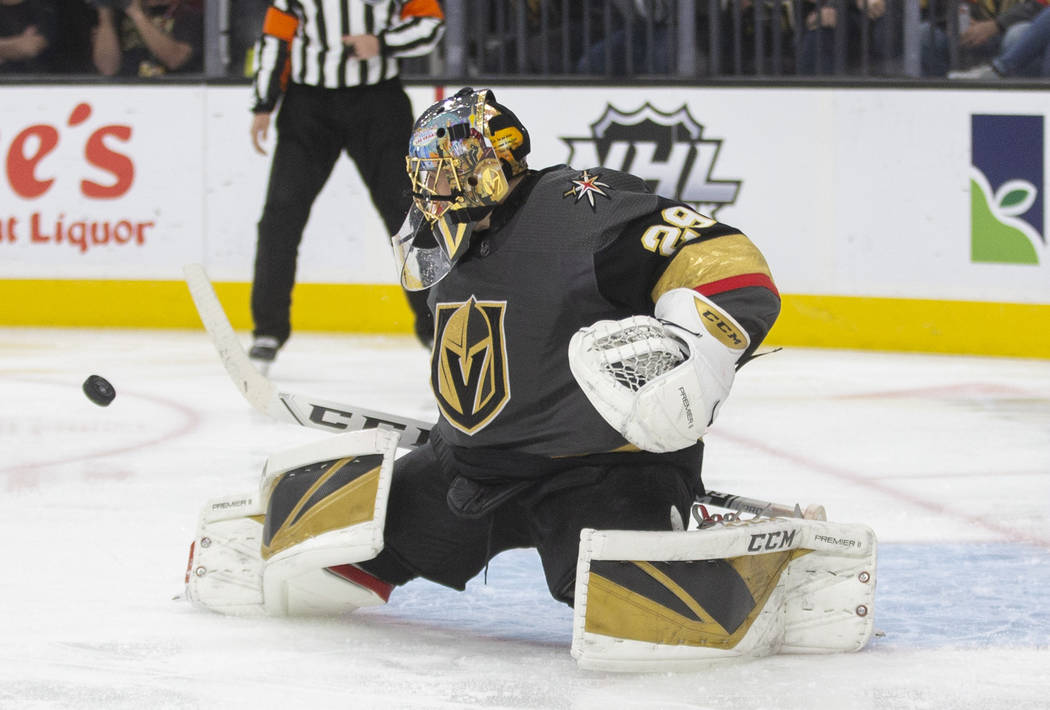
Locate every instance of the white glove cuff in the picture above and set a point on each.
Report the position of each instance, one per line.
(706, 330)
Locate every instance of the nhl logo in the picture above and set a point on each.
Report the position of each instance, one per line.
(667, 150)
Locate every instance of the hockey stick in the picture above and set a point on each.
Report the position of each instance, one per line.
(337, 416)
(288, 407)
(757, 507)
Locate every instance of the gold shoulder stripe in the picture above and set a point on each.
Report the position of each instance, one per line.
(699, 263)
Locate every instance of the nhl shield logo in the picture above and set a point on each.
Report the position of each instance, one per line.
(469, 366)
(667, 150)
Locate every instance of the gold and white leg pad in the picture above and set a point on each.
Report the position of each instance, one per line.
(655, 601)
(289, 549)
(224, 572)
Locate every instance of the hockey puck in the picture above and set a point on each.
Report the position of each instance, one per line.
(99, 391)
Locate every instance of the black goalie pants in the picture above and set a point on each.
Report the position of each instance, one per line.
(425, 538)
(314, 126)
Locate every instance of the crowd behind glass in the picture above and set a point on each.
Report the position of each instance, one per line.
(561, 39)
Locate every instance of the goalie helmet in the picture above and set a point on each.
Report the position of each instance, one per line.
(461, 156)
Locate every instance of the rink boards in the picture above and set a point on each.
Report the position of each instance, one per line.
(891, 219)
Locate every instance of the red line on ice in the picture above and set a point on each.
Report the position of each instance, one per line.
(875, 484)
(190, 422)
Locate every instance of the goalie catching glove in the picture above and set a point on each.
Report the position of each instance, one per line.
(660, 381)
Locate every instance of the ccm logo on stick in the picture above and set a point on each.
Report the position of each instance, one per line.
(338, 419)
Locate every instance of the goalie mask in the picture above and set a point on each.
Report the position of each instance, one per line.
(461, 156)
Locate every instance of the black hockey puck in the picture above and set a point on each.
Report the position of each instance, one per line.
(99, 391)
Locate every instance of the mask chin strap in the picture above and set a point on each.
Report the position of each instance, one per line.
(451, 197)
(470, 214)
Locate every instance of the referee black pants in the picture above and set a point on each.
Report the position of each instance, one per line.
(314, 125)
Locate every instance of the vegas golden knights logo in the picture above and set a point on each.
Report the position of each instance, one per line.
(469, 366)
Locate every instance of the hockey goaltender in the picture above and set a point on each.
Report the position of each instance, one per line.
(586, 333)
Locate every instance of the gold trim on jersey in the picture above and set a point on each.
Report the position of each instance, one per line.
(661, 602)
(699, 263)
(451, 234)
(469, 373)
(625, 449)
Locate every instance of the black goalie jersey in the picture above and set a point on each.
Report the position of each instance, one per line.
(569, 248)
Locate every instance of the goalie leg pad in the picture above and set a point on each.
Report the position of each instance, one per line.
(323, 514)
(661, 601)
(224, 571)
(289, 549)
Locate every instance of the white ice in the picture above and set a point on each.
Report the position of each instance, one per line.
(946, 457)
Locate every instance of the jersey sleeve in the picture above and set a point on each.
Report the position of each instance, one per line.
(677, 247)
(272, 56)
(419, 29)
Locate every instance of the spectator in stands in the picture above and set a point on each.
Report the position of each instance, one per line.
(762, 27)
(148, 38)
(555, 35)
(246, 23)
(27, 34)
(817, 49)
(1025, 52)
(639, 30)
(72, 50)
(984, 31)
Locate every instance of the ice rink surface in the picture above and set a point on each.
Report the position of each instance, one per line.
(947, 458)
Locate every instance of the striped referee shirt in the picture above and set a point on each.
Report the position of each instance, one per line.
(302, 42)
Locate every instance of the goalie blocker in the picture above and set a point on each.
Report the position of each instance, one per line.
(654, 601)
(289, 547)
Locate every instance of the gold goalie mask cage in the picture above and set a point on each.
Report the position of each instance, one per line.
(461, 155)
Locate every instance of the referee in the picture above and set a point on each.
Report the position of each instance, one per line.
(335, 62)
